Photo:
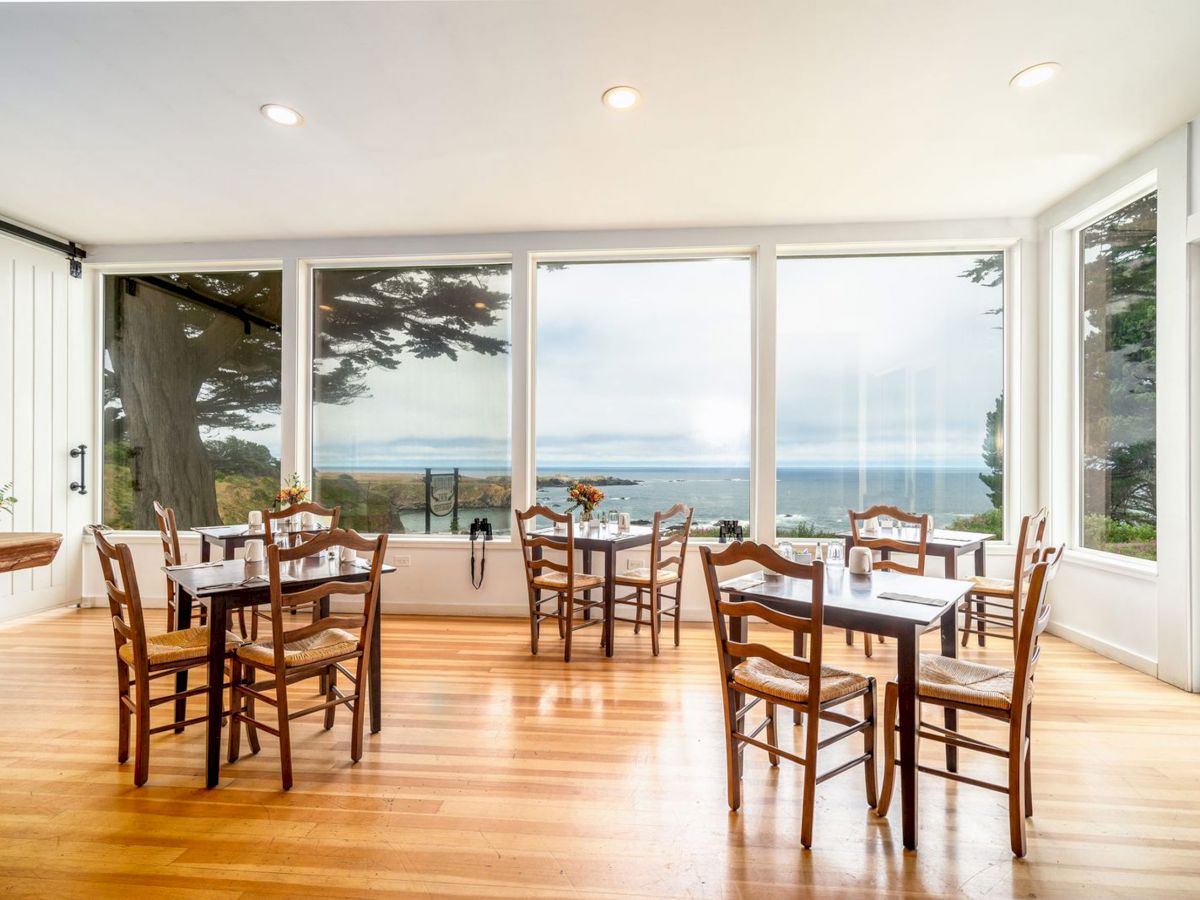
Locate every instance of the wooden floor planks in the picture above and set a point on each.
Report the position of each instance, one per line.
(502, 774)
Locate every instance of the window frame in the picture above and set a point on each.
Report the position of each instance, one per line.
(306, 270)
(1073, 229)
(99, 274)
(1011, 351)
(752, 254)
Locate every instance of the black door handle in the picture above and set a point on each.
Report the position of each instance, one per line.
(80, 453)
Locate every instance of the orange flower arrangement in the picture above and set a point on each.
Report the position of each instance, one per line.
(585, 496)
(292, 492)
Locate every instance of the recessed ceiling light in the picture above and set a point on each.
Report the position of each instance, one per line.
(1035, 75)
(281, 115)
(481, 305)
(621, 97)
(325, 307)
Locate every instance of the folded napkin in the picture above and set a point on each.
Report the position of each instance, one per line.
(911, 598)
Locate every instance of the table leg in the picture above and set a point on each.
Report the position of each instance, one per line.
(216, 678)
(845, 561)
(950, 558)
(375, 670)
(907, 646)
(587, 595)
(981, 569)
(949, 631)
(799, 648)
(183, 619)
(610, 612)
(205, 549)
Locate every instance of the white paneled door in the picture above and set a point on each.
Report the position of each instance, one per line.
(36, 430)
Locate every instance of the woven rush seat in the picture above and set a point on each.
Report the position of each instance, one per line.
(766, 677)
(328, 644)
(1001, 587)
(641, 577)
(175, 646)
(960, 681)
(555, 581)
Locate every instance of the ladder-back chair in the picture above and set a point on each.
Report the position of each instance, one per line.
(888, 545)
(653, 583)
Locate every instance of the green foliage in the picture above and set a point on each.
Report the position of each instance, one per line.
(993, 454)
(234, 456)
(1112, 536)
(990, 522)
(801, 528)
(374, 501)
(7, 499)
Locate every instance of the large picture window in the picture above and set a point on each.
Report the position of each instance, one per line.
(643, 385)
(890, 389)
(191, 396)
(1118, 258)
(411, 371)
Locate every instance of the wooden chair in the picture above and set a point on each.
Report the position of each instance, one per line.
(889, 545)
(997, 600)
(320, 648)
(562, 582)
(334, 514)
(990, 691)
(143, 658)
(168, 533)
(651, 583)
(799, 683)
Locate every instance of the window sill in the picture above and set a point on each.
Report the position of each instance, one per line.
(1144, 569)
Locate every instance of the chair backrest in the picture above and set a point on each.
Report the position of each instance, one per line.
(671, 527)
(893, 543)
(1030, 542)
(560, 546)
(168, 534)
(334, 514)
(1034, 619)
(288, 598)
(733, 652)
(124, 598)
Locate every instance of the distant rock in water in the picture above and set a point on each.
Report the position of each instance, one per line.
(598, 480)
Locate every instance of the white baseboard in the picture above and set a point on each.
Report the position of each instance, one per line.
(1104, 648)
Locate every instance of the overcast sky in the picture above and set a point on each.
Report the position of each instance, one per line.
(882, 360)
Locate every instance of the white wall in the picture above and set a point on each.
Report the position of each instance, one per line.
(45, 386)
(437, 577)
(1138, 613)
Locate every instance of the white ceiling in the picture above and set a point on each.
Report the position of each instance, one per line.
(140, 123)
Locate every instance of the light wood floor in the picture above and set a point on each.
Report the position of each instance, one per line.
(501, 774)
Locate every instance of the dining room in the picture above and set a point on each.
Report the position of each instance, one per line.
(567, 450)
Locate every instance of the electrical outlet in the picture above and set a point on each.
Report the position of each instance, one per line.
(634, 562)
(402, 562)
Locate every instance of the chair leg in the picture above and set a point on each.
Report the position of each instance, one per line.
(966, 625)
(170, 614)
(869, 742)
(772, 736)
(235, 723)
(1016, 787)
(891, 698)
(330, 696)
(867, 648)
(1028, 766)
(980, 612)
(655, 621)
(567, 620)
(534, 625)
(123, 713)
(637, 621)
(733, 758)
(141, 752)
(285, 737)
(248, 677)
(810, 778)
(849, 638)
(356, 718)
(563, 631)
(678, 608)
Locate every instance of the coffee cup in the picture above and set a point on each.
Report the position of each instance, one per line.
(308, 521)
(254, 551)
(348, 554)
(860, 561)
(255, 518)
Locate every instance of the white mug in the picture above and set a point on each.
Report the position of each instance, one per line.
(871, 526)
(860, 561)
(254, 551)
(349, 554)
(255, 518)
(308, 520)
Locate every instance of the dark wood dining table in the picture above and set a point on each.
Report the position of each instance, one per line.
(854, 602)
(942, 543)
(231, 538)
(606, 540)
(234, 584)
